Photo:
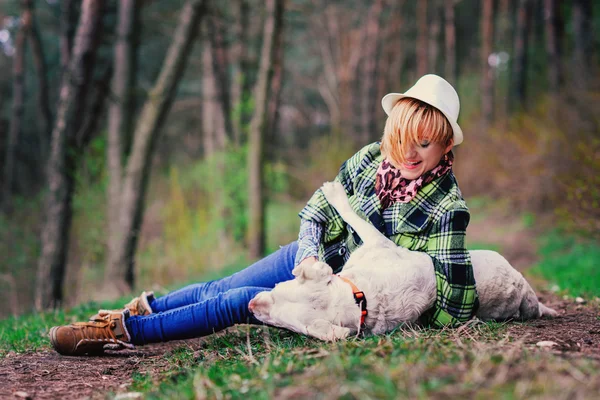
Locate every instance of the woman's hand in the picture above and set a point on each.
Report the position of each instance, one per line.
(308, 261)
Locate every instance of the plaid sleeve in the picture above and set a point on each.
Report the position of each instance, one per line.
(456, 299)
(308, 240)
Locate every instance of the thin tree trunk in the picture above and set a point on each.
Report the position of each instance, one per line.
(503, 43)
(239, 87)
(256, 200)
(450, 42)
(209, 102)
(18, 106)
(146, 133)
(370, 68)
(582, 32)
(220, 65)
(90, 127)
(276, 88)
(391, 70)
(434, 35)
(120, 119)
(421, 42)
(62, 162)
(214, 122)
(519, 72)
(554, 31)
(45, 115)
(487, 73)
(67, 30)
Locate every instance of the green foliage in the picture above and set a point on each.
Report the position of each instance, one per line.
(19, 250)
(203, 218)
(89, 205)
(570, 263)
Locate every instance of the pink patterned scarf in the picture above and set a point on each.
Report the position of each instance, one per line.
(391, 187)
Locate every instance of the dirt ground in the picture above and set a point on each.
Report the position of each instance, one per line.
(45, 374)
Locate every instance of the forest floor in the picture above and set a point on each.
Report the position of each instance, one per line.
(575, 335)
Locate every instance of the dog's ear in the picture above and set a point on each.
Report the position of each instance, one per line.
(325, 330)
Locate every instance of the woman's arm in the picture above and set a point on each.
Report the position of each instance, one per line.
(319, 210)
(456, 300)
(309, 239)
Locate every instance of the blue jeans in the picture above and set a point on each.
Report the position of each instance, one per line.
(204, 308)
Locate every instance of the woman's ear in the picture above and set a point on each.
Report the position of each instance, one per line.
(449, 147)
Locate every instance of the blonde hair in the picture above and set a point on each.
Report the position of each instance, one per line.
(410, 122)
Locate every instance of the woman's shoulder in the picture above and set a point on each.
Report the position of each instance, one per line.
(363, 160)
(369, 152)
(452, 199)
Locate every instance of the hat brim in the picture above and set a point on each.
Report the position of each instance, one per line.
(389, 101)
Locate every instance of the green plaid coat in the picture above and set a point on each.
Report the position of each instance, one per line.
(435, 222)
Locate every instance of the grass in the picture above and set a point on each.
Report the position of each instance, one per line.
(476, 361)
(569, 264)
(263, 363)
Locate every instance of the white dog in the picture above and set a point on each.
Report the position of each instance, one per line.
(399, 286)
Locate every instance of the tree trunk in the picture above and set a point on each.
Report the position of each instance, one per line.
(553, 25)
(214, 121)
(487, 72)
(145, 136)
(393, 42)
(519, 71)
(434, 35)
(450, 42)
(503, 43)
(275, 100)
(582, 32)
(370, 68)
(209, 102)
(67, 30)
(220, 65)
(422, 25)
(256, 200)
(45, 115)
(62, 162)
(18, 106)
(239, 87)
(120, 119)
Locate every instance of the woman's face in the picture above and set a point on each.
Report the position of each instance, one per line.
(422, 158)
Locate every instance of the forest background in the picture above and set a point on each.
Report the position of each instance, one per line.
(146, 143)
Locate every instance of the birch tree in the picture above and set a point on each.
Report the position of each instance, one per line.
(120, 269)
(63, 156)
(256, 197)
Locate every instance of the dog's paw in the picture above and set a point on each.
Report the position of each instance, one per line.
(336, 196)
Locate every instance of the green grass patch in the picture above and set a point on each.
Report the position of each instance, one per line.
(570, 264)
(264, 363)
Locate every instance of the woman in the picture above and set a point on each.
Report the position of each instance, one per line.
(403, 185)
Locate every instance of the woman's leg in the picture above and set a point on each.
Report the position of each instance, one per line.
(200, 319)
(264, 273)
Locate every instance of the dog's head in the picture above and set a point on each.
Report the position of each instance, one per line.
(303, 304)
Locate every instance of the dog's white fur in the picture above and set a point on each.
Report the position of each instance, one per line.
(399, 285)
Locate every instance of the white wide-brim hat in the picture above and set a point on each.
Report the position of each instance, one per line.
(435, 91)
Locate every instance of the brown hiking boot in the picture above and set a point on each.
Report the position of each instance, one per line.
(108, 331)
(137, 306)
(140, 305)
